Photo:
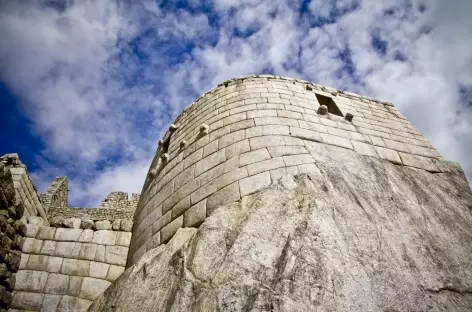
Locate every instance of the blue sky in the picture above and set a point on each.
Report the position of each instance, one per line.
(88, 87)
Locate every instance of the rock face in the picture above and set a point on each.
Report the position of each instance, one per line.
(360, 234)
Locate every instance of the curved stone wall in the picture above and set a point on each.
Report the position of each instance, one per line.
(246, 133)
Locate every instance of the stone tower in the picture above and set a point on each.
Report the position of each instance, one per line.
(244, 134)
(275, 194)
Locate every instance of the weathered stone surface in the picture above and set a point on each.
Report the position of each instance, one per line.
(362, 234)
(86, 236)
(103, 225)
(29, 280)
(93, 287)
(116, 255)
(98, 269)
(86, 224)
(114, 272)
(27, 301)
(50, 302)
(104, 237)
(32, 229)
(73, 223)
(57, 284)
(67, 249)
(126, 225)
(46, 232)
(73, 304)
(115, 225)
(70, 235)
(123, 238)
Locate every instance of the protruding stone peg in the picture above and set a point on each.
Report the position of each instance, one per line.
(309, 88)
(204, 129)
(159, 161)
(161, 142)
(183, 144)
(349, 117)
(173, 127)
(322, 110)
(165, 157)
(152, 173)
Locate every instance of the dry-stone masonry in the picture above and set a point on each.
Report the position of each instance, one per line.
(246, 133)
(63, 257)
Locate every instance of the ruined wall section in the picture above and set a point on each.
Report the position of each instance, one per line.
(55, 197)
(246, 133)
(65, 269)
(12, 230)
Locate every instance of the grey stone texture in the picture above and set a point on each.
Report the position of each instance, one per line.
(258, 129)
(349, 237)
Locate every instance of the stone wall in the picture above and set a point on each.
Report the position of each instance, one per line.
(11, 229)
(65, 269)
(115, 206)
(246, 133)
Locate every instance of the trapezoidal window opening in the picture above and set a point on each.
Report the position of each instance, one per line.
(332, 107)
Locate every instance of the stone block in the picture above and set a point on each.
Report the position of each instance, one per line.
(290, 114)
(277, 151)
(262, 113)
(308, 168)
(193, 158)
(267, 130)
(70, 235)
(265, 141)
(37, 262)
(395, 145)
(29, 280)
(88, 251)
(305, 134)
(27, 301)
(23, 261)
(116, 255)
(54, 264)
(104, 237)
(364, 149)
(360, 137)
(180, 207)
(338, 132)
(72, 223)
(336, 140)
(99, 269)
(93, 287)
(73, 304)
(234, 118)
(327, 122)
(50, 302)
(49, 247)
(254, 183)
(75, 284)
(185, 176)
(388, 154)
(57, 284)
(169, 230)
(67, 249)
(31, 230)
(161, 222)
(276, 174)
(253, 157)
(36, 220)
(231, 176)
(195, 215)
(123, 238)
(209, 149)
(223, 197)
(75, 267)
(32, 245)
(86, 236)
(419, 162)
(241, 125)
(203, 192)
(46, 232)
(115, 225)
(87, 224)
(295, 160)
(103, 225)
(237, 148)
(265, 165)
(154, 241)
(289, 140)
(126, 225)
(114, 272)
(376, 140)
(276, 121)
(209, 162)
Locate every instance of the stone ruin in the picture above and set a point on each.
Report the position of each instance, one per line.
(266, 194)
(57, 258)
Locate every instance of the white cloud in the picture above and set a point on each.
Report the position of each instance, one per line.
(101, 81)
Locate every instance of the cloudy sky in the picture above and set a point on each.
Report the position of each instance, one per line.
(87, 87)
